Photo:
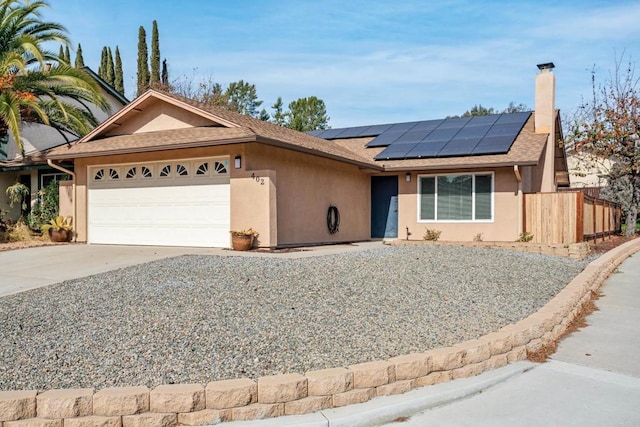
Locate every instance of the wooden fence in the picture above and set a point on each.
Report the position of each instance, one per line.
(569, 217)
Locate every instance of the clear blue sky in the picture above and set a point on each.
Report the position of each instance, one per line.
(370, 61)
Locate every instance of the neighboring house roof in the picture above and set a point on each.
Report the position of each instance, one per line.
(38, 138)
(226, 127)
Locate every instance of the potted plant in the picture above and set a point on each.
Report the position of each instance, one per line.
(242, 240)
(59, 229)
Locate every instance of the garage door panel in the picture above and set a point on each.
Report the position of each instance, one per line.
(165, 215)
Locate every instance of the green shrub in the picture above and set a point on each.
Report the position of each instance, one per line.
(46, 208)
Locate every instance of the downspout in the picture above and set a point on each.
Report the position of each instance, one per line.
(73, 191)
(516, 172)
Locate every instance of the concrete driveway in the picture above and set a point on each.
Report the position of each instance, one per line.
(25, 269)
(30, 268)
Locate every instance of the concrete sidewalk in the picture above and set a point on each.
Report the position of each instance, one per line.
(25, 269)
(592, 380)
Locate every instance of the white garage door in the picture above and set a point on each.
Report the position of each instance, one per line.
(180, 203)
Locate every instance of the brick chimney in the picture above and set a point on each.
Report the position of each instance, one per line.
(545, 114)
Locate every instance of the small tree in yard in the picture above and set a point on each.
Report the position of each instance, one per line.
(608, 127)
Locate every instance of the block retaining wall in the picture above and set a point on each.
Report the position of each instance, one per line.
(289, 394)
(570, 250)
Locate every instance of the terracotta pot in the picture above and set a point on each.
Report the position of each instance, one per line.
(58, 235)
(240, 242)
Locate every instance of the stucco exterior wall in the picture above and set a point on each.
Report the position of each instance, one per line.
(65, 194)
(284, 195)
(160, 116)
(306, 186)
(504, 226)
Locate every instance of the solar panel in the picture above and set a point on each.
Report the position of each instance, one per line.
(413, 136)
(316, 132)
(459, 147)
(352, 132)
(473, 131)
(521, 117)
(395, 151)
(331, 133)
(504, 129)
(401, 127)
(427, 149)
(427, 125)
(441, 134)
(494, 144)
(375, 130)
(454, 122)
(384, 139)
(483, 120)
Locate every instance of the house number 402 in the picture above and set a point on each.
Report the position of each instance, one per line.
(258, 179)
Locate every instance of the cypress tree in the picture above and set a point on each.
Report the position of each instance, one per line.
(111, 75)
(165, 74)
(154, 78)
(61, 54)
(119, 80)
(102, 70)
(79, 58)
(143, 66)
(67, 55)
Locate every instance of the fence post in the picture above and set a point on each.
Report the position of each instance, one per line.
(579, 237)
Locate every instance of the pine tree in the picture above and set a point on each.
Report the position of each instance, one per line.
(111, 75)
(143, 66)
(67, 54)
(154, 78)
(278, 114)
(119, 78)
(79, 58)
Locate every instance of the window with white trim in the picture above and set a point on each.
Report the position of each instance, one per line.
(459, 197)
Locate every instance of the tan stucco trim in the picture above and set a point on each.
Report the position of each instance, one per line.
(458, 167)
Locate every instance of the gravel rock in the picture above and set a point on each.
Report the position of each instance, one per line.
(195, 319)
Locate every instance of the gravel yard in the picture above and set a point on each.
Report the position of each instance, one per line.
(195, 319)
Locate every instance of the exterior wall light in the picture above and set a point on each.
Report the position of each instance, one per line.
(238, 162)
(407, 177)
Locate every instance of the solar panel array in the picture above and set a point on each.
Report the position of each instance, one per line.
(458, 136)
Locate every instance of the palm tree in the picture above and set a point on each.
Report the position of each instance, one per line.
(35, 85)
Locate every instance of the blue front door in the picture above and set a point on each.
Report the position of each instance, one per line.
(384, 206)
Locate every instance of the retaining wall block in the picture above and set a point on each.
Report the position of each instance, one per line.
(497, 361)
(17, 405)
(475, 351)
(307, 405)
(446, 358)
(469, 370)
(358, 395)
(373, 374)
(257, 411)
(499, 342)
(204, 417)
(35, 422)
(546, 319)
(397, 387)
(177, 398)
(534, 345)
(281, 388)
(65, 403)
(432, 379)
(517, 354)
(93, 421)
(411, 366)
(149, 419)
(326, 382)
(121, 401)
(231, 393)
